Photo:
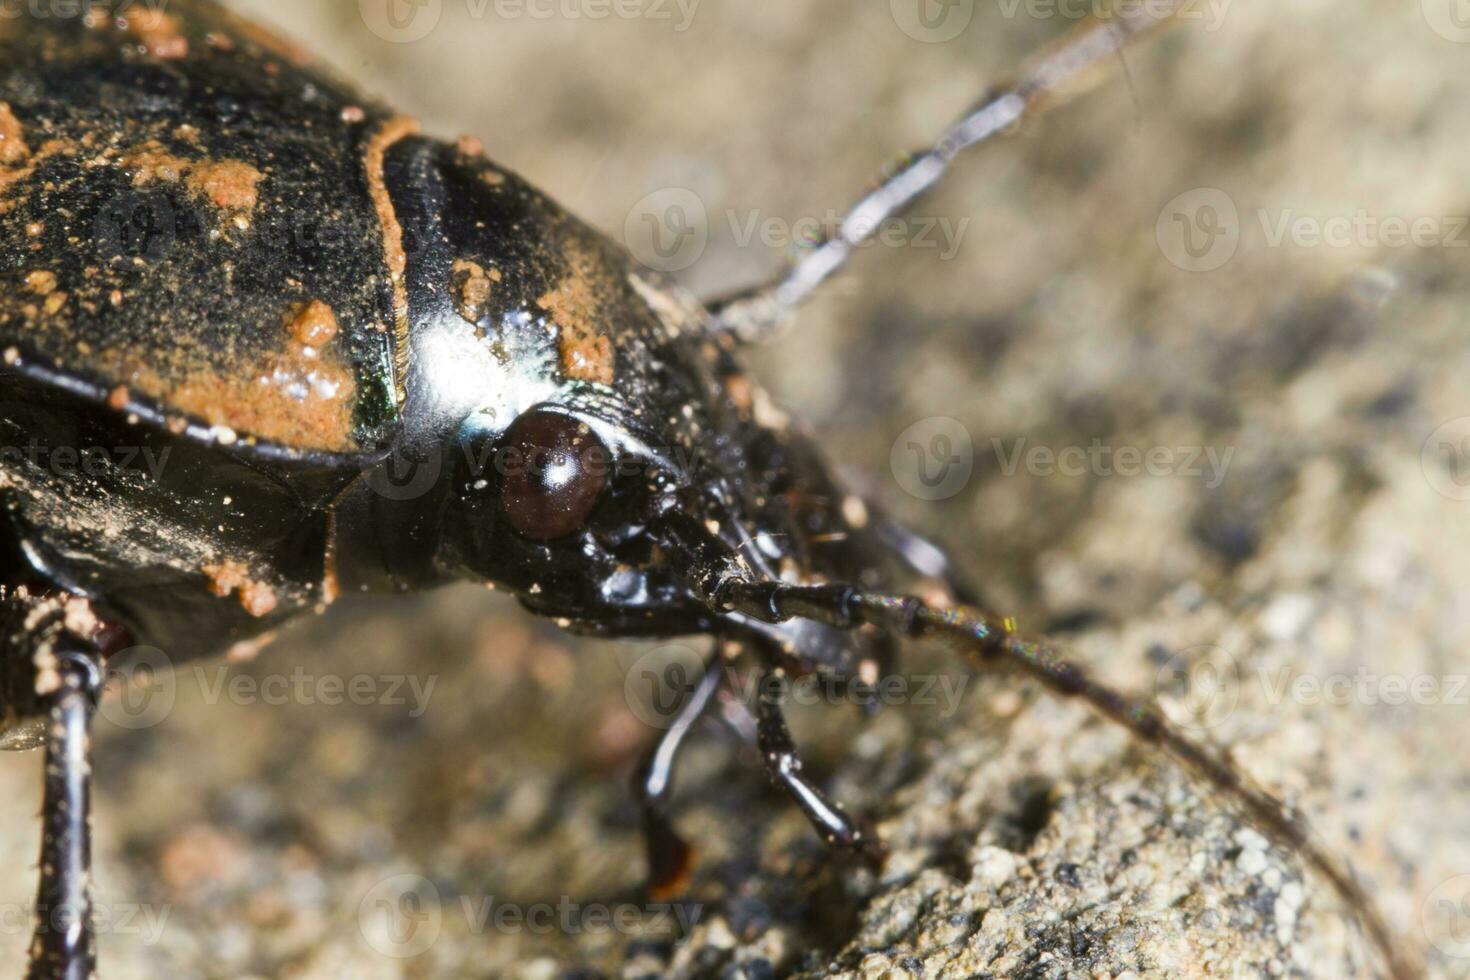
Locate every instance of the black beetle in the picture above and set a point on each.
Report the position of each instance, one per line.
(315, 351)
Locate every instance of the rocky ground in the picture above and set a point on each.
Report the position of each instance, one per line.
(1285, 570)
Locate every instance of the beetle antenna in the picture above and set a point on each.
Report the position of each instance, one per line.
(724, 584)
(1057, 72)
(988, 641)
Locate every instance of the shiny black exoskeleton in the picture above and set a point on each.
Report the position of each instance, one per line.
(263, 344)
(306, 351)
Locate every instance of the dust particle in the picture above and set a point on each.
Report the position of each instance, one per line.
(118, 399)
(12, 356)
(737, 387)
(353, 114)
(151, 162)
(258, 599)
(225, 578)
(313, 325)
(41, 282)
(472, 288)
(230, 185)
(469, 146)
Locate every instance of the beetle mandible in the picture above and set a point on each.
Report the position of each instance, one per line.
(376, 362)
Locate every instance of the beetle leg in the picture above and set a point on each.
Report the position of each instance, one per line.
(64, 945)
(52, 646)
(783, 764)
(670, 859)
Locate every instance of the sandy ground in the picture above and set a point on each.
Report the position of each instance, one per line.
(1286, 569)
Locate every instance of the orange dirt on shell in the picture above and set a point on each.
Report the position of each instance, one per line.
(301, 396)
(575, 305)
(13, 149)
(227, 577)
(157, 31)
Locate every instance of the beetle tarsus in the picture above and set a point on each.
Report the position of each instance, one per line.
(783, 764)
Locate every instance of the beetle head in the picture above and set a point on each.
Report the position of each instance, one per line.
(589, 410)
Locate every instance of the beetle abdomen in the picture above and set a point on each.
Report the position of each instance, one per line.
(186, 218)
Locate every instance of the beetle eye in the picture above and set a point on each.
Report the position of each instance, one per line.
(554, 470)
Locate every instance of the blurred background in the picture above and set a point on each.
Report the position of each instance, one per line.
(1198, 343)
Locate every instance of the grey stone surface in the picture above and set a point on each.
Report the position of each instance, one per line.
(1320, 562)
